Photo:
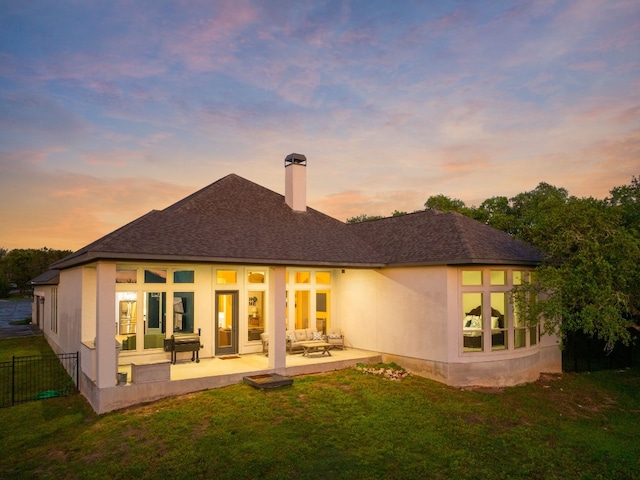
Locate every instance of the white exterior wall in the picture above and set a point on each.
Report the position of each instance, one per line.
(67, 338)
(413, 316)
(395, 310)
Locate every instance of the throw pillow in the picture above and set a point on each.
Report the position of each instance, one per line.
(473, 321)
(316, 336)
(290, 337)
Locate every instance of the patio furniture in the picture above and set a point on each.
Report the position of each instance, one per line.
(312, 347)
(335, 338)
(295, 339)
(299, 336)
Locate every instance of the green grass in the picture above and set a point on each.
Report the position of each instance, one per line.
(23, 347)
(342, 425)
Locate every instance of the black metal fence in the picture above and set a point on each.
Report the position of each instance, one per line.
(583, 353)
(25, 379)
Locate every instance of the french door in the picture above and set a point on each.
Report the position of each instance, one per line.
(227, 322)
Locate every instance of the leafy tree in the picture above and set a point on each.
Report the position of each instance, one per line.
(363, 218)
(5, 287)
(398, 213)
(20, 266)
(445, 204)
(584, 286)
(626, 198)
(497, 212)
(533, 212)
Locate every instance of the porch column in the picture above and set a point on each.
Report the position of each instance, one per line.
(277, 323)
(105, 325)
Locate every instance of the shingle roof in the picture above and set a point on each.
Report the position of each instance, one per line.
(431, 237)
(50, 277)
(235, 220)
(232, 220)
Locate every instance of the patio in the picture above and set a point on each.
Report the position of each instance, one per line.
(221, 372)
(161, 379)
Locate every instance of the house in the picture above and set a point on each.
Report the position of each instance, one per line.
(234, 260)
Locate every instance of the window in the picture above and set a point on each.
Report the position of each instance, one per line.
(256, 277)
(520, 329)
(522, 332)
(226, 276)
(126, 276)
(155, 276)
(473, 332)
(472, 277)
(183, 276)
(301, 310)
(54, 310)
(498, 277)
(323, 278)
(256, 309)
(491, 321)
(303, 277)
(323, 300)
(499, 320)
(308, 299)
(183, 312)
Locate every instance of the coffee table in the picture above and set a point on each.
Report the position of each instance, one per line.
(311, 347)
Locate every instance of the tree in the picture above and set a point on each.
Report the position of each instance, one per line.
(534, 210)
(626, 198)
(497, 212)
(445, 204)
(398, 213)
(20, 266)
(363, 218)
(584, 286)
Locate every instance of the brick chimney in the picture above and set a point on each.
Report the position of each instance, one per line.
(295, 191)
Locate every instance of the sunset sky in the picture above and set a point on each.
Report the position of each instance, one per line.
(110, 109)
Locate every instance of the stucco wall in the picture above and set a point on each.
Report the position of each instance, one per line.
(67, 338)
(412, 316)
(396, 310)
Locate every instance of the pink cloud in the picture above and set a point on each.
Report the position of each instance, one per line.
(68, 211)
(18, 159)
(210, 43)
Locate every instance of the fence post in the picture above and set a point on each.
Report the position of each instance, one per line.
(13, 380)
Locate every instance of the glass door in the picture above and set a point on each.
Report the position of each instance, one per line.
(301, 311)
(156, 303)
(227, 327)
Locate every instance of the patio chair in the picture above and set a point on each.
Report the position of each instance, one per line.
(335, 338)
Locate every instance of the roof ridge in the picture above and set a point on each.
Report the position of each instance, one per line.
(459, 219)
(188, 198)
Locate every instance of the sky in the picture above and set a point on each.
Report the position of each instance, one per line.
(110, 109)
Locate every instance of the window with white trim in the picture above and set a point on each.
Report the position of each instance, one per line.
(490, 321)
(54, 309)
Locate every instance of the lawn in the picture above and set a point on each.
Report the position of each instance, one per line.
(340, 425)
